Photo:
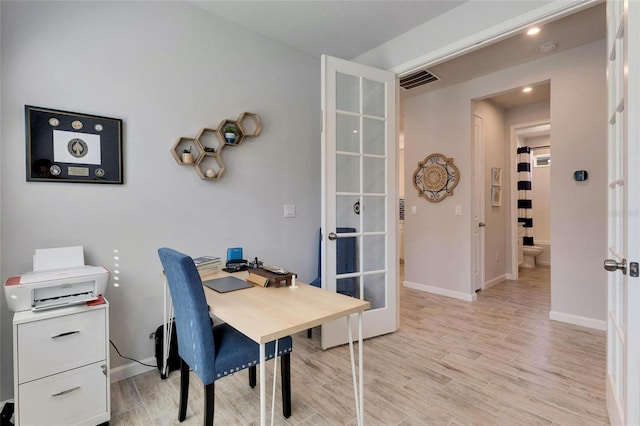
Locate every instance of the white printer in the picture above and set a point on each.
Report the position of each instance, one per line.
(60, 278)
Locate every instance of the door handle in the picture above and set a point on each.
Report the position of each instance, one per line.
(481, 225)
(332, 236)
(611, 265)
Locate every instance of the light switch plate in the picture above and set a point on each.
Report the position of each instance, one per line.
(414, 210)
(289, 210)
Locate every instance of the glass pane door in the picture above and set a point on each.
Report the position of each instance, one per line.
(359, 191)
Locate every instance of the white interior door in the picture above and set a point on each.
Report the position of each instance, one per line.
(478, 226)
(623, 298)
(359, 211)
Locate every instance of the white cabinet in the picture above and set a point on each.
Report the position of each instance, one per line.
(61, 366)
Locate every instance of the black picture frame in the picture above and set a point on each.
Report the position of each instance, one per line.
(73, 147)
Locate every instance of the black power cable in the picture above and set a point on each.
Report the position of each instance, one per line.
(132, 359)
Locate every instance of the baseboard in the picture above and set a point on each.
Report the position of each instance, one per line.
(441, 291)
(494, 281)
(132, 369)
(577, 320)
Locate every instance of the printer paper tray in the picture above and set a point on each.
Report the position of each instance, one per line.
(40, 305)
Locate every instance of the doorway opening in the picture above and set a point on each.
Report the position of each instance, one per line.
(440, 134)
(535, 138)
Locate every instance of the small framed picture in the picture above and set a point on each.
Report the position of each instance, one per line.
(65, 146)
(496, 176)
(496, 196)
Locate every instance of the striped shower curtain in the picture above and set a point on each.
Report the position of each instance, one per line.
(525, 211)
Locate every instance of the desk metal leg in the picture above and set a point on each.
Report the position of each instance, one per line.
(358, 381)
(263, 390)
(167, 329)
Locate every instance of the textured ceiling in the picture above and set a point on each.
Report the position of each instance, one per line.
(575, 30)
(349, 28)
(344, 29)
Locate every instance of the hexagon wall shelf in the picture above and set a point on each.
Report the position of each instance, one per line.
(235, 137)
(251, 124)
(183, 145)
(206, 147)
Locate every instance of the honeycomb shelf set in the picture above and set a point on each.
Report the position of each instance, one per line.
(209, 143)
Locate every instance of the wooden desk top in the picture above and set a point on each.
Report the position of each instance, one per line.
(267, 313)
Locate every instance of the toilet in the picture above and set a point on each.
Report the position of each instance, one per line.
(529, 254)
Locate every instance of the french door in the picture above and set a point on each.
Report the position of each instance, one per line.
(623, 297)
(359, 212)
(477, 200)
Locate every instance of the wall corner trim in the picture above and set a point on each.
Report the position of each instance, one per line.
(496, 280)
(132, 369)
(578, 320)
(441, 291)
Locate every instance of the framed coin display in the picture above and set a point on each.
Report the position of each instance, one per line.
(435, 177)
(67, 146)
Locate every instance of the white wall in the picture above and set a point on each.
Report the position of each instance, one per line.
(437, 242)
(167, 69)
(541, 195)
(578, 128)
(437, 252)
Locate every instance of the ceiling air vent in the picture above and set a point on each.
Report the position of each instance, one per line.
(417, 79)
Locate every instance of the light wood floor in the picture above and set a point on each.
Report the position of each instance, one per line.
(497, 361)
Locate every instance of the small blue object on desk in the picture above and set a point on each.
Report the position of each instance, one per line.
(234, 253)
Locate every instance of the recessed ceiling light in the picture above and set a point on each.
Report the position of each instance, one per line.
(527, 89)
(533, 31)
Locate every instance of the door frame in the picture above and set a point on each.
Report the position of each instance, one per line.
(477, 41)
(515, 133)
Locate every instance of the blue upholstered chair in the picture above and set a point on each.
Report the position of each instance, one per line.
(212, 352)
(345, 263)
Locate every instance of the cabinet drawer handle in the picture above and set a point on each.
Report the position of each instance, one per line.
(66, 391)
(68, 333)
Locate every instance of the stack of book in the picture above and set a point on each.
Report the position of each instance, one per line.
(207, 264)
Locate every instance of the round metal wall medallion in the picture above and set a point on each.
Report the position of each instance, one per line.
(77, 147)
(435, 177)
